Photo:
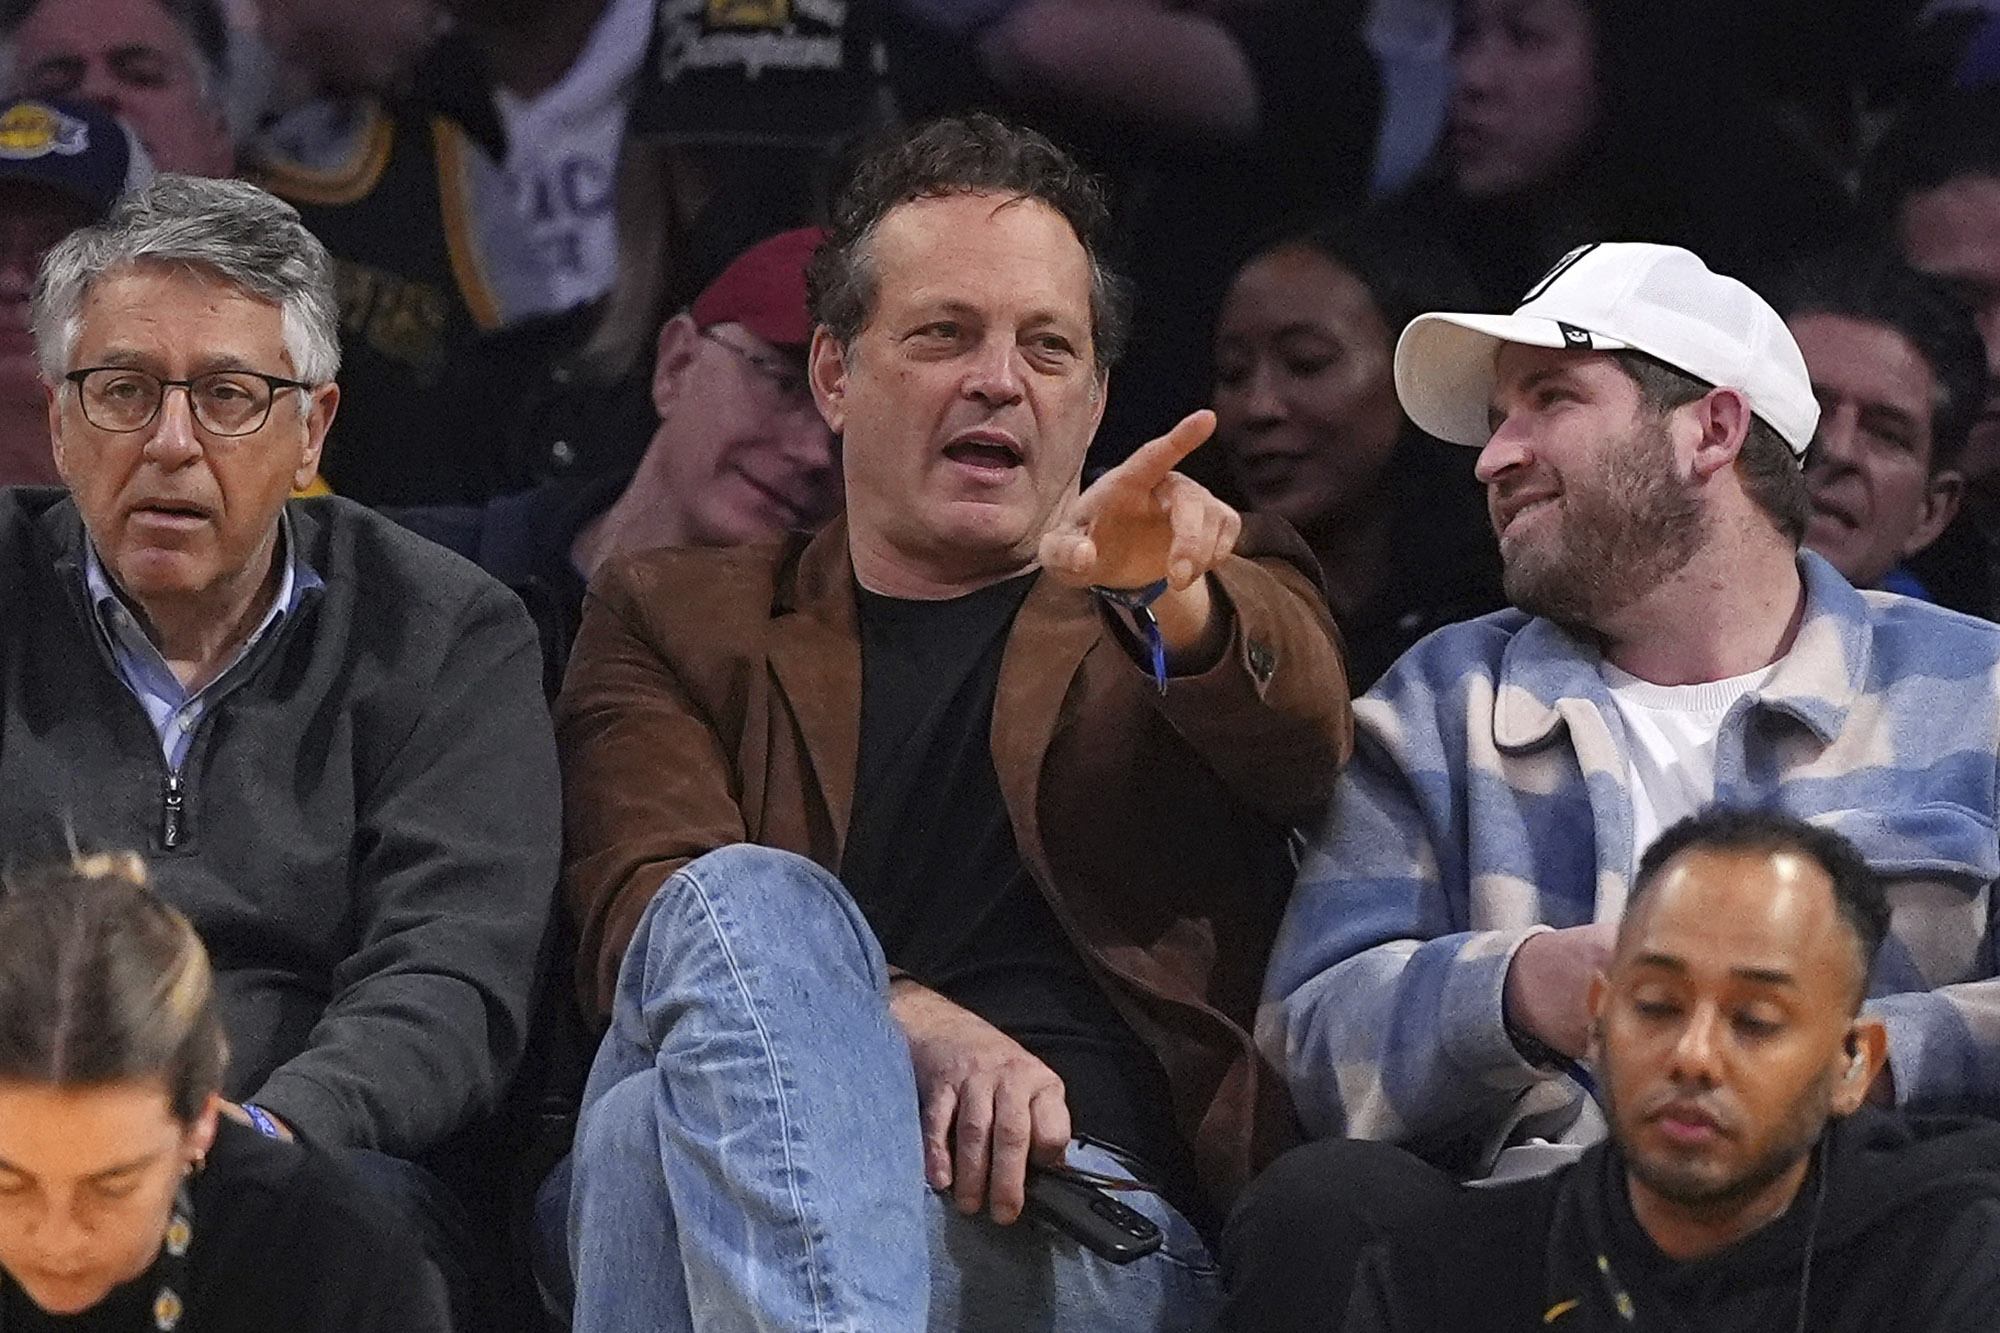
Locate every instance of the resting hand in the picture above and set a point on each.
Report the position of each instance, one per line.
(1548, 984)
(988, 1106)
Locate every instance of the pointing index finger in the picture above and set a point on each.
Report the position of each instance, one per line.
(1153, 460)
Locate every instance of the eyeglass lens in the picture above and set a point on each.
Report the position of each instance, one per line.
(787, 385)
(224, 402)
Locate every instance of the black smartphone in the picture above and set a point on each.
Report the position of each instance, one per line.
(1091, 1216)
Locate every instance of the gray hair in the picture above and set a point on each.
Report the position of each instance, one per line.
(225, 230)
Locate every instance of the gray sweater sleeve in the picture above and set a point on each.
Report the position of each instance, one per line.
(457, 837)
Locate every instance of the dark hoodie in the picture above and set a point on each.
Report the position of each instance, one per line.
(1905, 1235)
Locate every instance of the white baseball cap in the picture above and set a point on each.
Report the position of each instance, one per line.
(1609, 297)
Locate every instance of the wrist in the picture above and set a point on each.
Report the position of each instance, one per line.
(1132, 599)
(909, 999)
(264, 1122)
(1532, 1048)
(1139, 602)
(1195, 624)
(1516, 1004)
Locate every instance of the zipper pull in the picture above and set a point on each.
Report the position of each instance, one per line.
(170, 813)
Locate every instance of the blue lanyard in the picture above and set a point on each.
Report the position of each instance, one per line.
(1139, 601)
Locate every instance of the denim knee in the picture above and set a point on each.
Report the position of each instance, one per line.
(747, 899)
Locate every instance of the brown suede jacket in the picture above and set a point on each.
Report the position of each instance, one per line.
(714, 697)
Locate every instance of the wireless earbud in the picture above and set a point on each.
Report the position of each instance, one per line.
(1857, 1062)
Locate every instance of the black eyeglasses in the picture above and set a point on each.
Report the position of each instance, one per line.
(787, 383)
(225, 402)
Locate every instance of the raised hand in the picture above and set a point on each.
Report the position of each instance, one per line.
(1142, 521)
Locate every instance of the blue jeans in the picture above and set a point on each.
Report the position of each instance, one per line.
(749, 1152)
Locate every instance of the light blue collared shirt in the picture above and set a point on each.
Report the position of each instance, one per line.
(174, 712)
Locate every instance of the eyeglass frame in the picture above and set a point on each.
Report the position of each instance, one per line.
(275, 383)
(796, 386)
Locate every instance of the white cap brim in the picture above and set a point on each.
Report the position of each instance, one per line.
(1445, 367)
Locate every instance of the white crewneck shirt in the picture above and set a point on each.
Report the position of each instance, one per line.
(1671, 732)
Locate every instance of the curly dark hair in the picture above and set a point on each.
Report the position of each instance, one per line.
(971, 154)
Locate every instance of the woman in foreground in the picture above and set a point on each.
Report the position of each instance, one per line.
(128, 1200)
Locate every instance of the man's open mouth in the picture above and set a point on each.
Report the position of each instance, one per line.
(171, 510)
(983, 452)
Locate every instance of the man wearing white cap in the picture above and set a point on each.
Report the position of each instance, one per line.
(1639, 421)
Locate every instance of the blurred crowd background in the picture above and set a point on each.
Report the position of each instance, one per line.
(521, 193)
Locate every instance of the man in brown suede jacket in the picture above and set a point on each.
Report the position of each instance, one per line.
(1050, 740)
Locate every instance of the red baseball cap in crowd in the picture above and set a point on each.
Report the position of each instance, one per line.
(764, 290)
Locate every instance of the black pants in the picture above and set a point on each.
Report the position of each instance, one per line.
(1291, 1246)
(466, 1268)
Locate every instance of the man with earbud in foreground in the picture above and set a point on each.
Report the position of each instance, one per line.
(1746, 1184)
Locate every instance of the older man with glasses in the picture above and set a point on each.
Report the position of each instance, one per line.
(739, 453)
(326, 734)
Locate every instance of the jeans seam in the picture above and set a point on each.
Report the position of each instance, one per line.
(1199, 1270)
(814, 1280)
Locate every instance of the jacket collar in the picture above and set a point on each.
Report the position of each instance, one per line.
(816, 655)
(1816, 682)
(1055, 628)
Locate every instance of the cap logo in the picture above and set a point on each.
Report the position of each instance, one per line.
(1563, 266)
(1574, 337)
(30, 130)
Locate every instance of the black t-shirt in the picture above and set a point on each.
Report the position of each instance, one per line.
(931, 861)
(284, 1240)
